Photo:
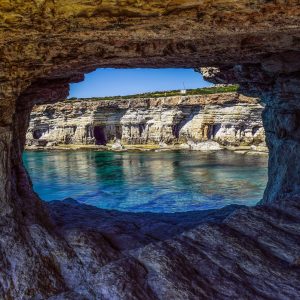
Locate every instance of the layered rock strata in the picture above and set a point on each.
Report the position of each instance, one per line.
(229, 119)
(232, 253)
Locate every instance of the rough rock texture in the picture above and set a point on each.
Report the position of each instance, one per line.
(198, 255)
(229, 119)
(44, 45)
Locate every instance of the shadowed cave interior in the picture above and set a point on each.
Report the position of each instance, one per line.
(99, 135)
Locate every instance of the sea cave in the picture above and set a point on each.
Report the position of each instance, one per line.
(70, 250)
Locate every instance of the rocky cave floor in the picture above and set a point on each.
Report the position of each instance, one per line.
(235, 252)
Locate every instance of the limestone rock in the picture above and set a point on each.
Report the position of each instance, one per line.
(228, 119)
(117, 145)
(205, 146)
(232, 253)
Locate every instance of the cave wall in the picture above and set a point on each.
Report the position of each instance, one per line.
(281, 120)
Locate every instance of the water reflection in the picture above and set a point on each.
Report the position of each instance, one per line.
(149, 181)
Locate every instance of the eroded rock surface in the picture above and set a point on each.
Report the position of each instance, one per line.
(232, 253)
(228, 119)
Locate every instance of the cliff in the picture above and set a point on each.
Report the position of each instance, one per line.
(228, 119)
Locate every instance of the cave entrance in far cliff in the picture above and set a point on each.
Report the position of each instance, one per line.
(99, 134)
(37, 134)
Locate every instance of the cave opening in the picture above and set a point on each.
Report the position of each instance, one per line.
(69, 250)
(37, 134)
(118, 131)
(100, 136)
(145, 121)
(215, 129)
(175, 130)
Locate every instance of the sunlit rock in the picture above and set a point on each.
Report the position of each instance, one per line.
(117, 145)
(205, 146)
(228, 119)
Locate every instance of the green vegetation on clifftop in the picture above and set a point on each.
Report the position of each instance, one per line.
(200, 91)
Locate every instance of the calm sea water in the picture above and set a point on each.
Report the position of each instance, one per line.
(149, 181)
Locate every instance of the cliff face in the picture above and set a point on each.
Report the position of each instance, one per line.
(229, 119)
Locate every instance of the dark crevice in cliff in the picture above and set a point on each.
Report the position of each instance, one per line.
(99, 134)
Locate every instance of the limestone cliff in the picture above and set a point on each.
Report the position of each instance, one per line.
(228, 119)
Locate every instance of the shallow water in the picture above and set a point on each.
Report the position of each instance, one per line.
(149, 181)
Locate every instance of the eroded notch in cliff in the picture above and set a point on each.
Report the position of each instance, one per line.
(100, 136)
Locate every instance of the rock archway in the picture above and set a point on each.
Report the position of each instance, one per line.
(45, 45)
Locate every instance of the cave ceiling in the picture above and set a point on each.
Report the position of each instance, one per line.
(43, 39)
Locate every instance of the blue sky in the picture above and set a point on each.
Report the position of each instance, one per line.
(114, 82)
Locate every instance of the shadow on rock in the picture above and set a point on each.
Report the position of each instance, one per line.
(127, 230)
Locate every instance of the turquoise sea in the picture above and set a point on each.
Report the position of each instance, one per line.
(168, 181)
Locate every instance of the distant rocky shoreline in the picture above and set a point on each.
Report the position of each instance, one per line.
(199, 122)
(260, 150)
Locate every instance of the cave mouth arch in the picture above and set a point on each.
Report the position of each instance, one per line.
(46, 46)
(99, 134)
(238, 227)
(145, 120)
(261, 61)
(228, 74)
